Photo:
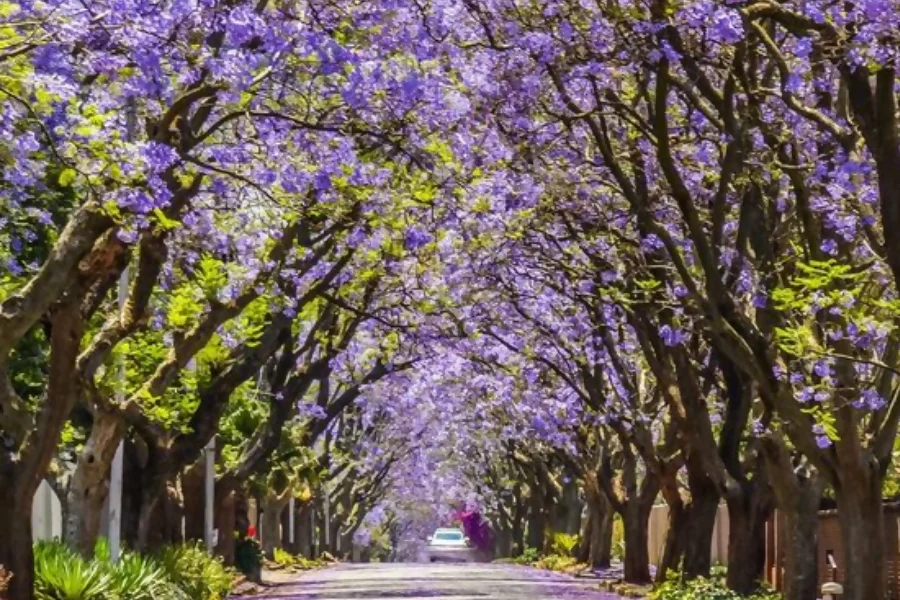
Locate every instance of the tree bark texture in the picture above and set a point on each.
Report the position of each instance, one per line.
(89, 487)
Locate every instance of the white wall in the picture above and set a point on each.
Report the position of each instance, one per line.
(46, 514)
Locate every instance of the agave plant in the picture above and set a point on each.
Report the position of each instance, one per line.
(61, 574)
(137, 577)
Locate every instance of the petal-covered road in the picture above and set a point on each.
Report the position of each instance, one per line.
(443, 582)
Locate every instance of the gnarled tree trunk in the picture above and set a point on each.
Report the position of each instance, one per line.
(226, 524)
(691, 524)
(272, 507)
(193, 485)
(15, 540)
(797, 496)
(89, 486)
(749, 508)
(636, 563)
(862, 528)
(599, 531)
(702, 510)
(537, 520)
(22, 472)
(303, 530)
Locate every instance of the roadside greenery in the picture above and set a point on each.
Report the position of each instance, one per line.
(676, 587)
(180, 573)
(294, 562)
(248, 557)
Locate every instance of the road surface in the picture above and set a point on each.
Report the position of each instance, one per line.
(435, 582)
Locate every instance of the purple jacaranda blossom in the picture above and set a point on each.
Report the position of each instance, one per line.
(822, 439)
(870, 400)
(822, 368)
(727, 26)
(13, 266)
(416, 238)
(652, 243)
(129, 236)
(829, 246)
(806, 394)
(671, 336)
(158, 157)
(778, 372)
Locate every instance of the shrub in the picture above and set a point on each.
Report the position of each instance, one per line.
(137, 577)
(181, 573)
(556, 562)
(563, 544)
(703, 589)
(296, 561)
(60, 574)
(529, 556)
(200, 575)
(284, 558)
(248, 556)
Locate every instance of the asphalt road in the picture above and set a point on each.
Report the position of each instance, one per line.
(429, 582)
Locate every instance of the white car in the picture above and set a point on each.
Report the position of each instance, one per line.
(450, 545)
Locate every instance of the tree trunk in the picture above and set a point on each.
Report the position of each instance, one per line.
(537, 521)
(702, 511)
(148, 533)
(303, 530)
(518, 529)
(798, 493)
(272, 507)
(600, 522)
(576, 508)
(567, 512)
(749, 508)
(89, 487)
(22, 472)
(173, 515)
(584, 538)
(862, 528)
(241, 512)
(16, 554)
(673, 549)
(193, 484)
(226, 525)
(286, 529)
(688, 544)
(346, 550)
(503, 549)
(801, 568)
(637, 559)
(334, 537)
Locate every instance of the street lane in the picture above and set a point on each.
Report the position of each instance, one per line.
(428, 582)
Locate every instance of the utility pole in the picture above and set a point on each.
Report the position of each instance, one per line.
(291, 523)
(210, 481)
(115, 475)
(327, 520)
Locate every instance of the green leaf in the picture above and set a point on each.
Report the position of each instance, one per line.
(67, 177)
(165, 222)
